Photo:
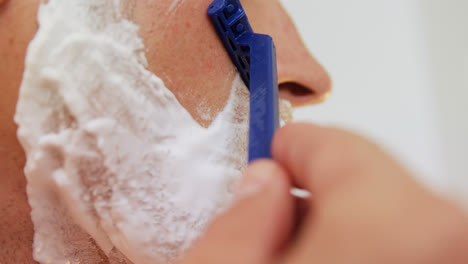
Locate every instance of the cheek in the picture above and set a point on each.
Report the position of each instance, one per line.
(183, 49)
(269, 17)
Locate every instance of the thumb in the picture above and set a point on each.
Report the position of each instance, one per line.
(257, 226)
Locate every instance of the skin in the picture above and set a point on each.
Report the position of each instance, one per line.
(182, 49)
(364, 208)
(197, 68)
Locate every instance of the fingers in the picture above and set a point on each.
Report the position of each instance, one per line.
(256, 227)
(365, 208)
(338, 168)
(324, 159)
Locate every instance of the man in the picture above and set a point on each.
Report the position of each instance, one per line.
(332, 164)
(181, 48)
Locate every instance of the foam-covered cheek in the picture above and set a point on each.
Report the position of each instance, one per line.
(116, 167)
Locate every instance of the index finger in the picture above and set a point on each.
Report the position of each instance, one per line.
(321, 159)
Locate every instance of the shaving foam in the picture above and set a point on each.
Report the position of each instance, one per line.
(286, 112)
(117, 169)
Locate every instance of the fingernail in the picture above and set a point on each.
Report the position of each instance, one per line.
(255, 180)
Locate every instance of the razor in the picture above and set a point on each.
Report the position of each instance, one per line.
(254, 56)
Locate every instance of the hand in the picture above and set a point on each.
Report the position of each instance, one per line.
(364, 209)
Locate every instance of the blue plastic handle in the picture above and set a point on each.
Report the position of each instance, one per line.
(254, 56)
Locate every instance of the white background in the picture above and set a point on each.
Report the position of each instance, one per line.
(400, 73)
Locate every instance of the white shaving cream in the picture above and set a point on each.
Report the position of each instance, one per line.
(114, 162)
(117, 169)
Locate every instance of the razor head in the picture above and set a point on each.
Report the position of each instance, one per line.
(231, 24)
(254, 56)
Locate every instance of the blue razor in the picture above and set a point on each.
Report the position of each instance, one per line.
(254, 55)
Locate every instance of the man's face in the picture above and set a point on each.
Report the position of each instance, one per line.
(182, 49)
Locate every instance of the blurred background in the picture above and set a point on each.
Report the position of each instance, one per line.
(400, 73)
